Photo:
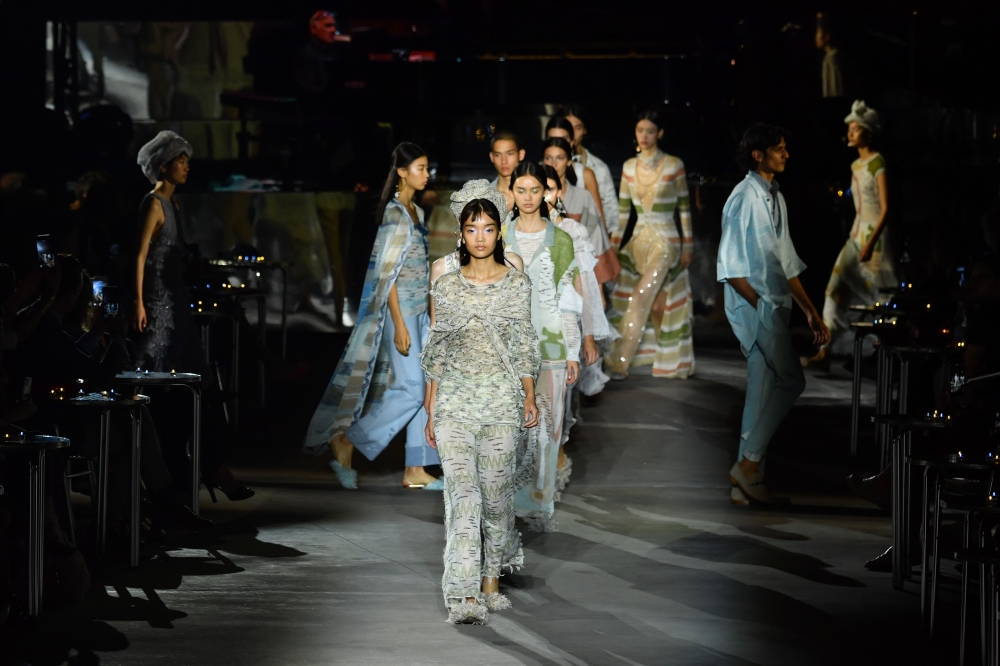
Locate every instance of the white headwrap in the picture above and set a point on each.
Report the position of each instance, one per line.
(164, 147)
(865, 116)
(477, 189)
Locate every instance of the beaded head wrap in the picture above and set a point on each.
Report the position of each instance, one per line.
(475, 189)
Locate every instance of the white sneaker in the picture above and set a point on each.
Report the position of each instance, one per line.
(754, 488)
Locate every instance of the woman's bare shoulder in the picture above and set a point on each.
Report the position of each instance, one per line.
(515, 260)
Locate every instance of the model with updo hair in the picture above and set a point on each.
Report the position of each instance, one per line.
(864, 265)
(652, 296)
(481, 361)
(360, 408)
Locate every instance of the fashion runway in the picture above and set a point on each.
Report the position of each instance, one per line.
(651, 564)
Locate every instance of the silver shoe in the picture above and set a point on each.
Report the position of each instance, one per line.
(468, 613)
(497, 601)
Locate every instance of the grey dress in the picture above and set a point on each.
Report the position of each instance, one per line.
(170, 340)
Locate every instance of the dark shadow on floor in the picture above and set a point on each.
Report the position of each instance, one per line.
(745, 550)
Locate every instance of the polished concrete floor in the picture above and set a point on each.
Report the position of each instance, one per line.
(651, 564)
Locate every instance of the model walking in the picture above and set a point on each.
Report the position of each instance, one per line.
(579, 204)
(653, 295)
(758, 263)
(550, 262)
(360, 409)
(593, 325)
(605, 184)
(480, 361)
(864, 265)
(168, 337)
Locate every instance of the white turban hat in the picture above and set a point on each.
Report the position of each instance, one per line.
(478, 189)
(164, 147)
(865, 116)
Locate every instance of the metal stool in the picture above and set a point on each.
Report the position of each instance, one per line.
(988, 561)
(34, 447)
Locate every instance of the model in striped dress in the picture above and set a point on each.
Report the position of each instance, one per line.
(652, 297)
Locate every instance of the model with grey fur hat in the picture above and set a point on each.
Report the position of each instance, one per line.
(164, 147)
(864, 264)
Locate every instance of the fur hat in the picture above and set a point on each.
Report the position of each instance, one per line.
(865, 116)
(477, 189)
(164, 147)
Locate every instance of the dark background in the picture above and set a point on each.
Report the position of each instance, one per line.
(930, 68)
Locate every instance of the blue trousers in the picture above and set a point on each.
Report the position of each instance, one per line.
(774, 380)
(402, 404)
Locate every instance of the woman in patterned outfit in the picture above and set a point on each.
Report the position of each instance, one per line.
(480, 361)
(652, 295)
(550, 261)
(360, 408)
(864, 265)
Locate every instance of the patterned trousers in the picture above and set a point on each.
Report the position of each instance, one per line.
(654, 297)
(479, 466)
(853, 279)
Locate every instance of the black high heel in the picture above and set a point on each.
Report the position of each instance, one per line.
(241, 493)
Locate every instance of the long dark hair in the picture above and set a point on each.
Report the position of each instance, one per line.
(402, 156)
(563, 144)
(476, 210)
(550, 172)
(538, 173)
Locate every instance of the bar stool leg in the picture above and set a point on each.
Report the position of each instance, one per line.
(965, 594)
(937, 562)
(136, 489)
(284, 313)
(102, 483)
(235, 374)
(196, 450)
(906, 495)
(898, 536)
(924, 528)
(880, 405)
(991, 621)
(859, 339)
(262, 326)
(68, 489)
(36, 529)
